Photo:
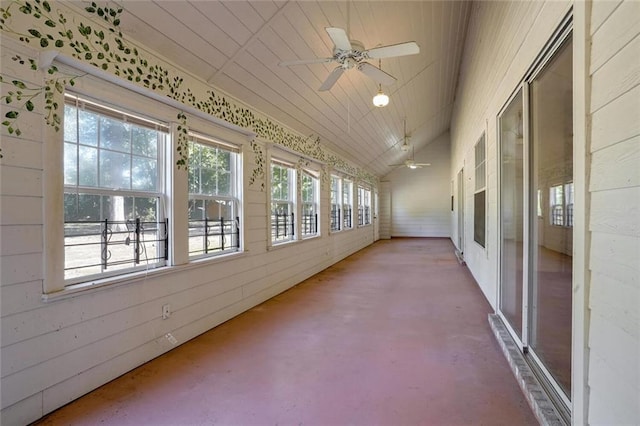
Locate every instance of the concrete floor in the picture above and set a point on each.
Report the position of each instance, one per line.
(396, 334)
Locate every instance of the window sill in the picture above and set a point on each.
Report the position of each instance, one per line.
(94, 286)
(289, 243)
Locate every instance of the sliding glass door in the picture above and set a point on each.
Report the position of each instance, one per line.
(551, 216)
(536, 215)
(512, 213)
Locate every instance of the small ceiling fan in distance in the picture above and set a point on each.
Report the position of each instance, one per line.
(352, 54)
(411, 163)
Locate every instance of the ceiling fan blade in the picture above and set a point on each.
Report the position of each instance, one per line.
(422, 164)
(331, 79)
(339, 37)
(391, 51)
(305, 62)
(376, 74)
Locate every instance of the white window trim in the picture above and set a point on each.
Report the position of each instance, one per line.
(366, 190)
(315, 202)
(237, 184)
(339, 200)
(352, 185)
(116, 91)
(477, 190)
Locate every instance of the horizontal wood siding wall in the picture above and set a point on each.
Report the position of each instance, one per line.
(420, 197)
(503, 40)
(57, 351)
(614, 333)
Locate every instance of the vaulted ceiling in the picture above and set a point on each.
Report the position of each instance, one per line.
(237, 46)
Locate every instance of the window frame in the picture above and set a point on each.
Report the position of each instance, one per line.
(314, 230)
(364, 206)
(335, 219)
(480, 192)
(565, 218)
(290, 234)
(145, 104)
(229, 229)
(347, 204)
(130, 232)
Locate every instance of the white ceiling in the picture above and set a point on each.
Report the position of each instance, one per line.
(237, 45)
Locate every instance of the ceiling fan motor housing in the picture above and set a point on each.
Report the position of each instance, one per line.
(350, 58)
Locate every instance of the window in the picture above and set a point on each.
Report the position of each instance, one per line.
(282, 202)
(309, 205)
(336, 205)
(561, 205)
(214, 223)
(113, 191)
(364, 206)
(347, 204)
(479, 196)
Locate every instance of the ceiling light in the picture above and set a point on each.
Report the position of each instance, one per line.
(380, 100)
(412, 166)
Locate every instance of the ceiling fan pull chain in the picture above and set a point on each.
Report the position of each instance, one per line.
(348, 19)
(348, 116)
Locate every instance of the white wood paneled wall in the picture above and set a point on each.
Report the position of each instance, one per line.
(420, 198)
(56, 351)
(614, 299)
(502, 42)
(385, 210)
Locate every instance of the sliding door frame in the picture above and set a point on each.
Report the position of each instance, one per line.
(556, 42)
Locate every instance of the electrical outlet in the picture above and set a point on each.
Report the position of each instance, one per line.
(171, 339)
(166, 311)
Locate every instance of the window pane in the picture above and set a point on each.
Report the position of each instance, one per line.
(479, 218)
(144, 174)
(511, 212)
(88, 128)
(146, 209)
(70, 124)
(115, 170)
(196, 210)
(81, 207)
(117, 208)
(115, 135)
(88, 167)
(208, 182)
(550, 290)
(70, 164)
(145, 142)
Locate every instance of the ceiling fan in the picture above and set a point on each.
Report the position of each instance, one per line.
(410, 162)
(352, 54)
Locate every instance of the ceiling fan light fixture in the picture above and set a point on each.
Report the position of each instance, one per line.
(380, 100)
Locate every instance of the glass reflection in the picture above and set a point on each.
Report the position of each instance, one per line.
(511, 212)
(552, 225)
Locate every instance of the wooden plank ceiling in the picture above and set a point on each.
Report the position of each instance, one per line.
(237, 45)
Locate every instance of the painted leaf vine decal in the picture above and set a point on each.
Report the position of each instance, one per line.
(104, 47)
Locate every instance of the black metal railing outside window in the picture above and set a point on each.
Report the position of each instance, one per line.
(282, 226)
(335, 217)
(347, 219)
(557, 215)
(214, 236)
(367, 215)
(309, 224)
(96, 247)
(569, 221)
